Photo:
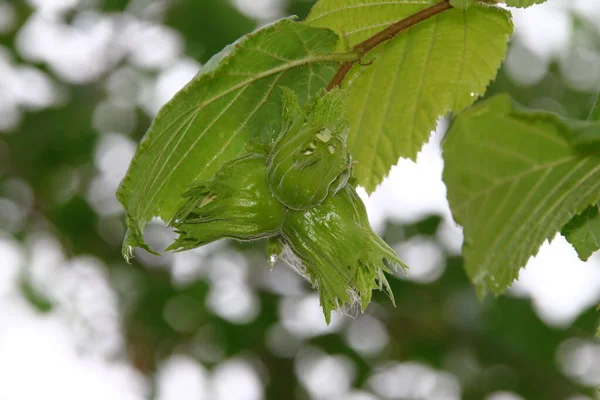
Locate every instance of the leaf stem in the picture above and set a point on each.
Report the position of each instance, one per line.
(388, 33)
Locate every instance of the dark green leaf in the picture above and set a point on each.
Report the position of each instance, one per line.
(583, 232)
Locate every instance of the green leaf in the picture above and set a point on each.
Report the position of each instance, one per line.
(583, 232)
(584, 135)
(442, 64)
(595, 113)
(234, 101)
(513, 181)
(462, 4)
(523, 3)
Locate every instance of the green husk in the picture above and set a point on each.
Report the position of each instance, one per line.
(342, 255)
(310, 160)
(235, 203)
(298, 193)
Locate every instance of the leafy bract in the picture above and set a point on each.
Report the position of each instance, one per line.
(513, 181)
(442, 64)
(234, 101)
(339, 251)
(235, 203)
(583, 232)
(310, 161)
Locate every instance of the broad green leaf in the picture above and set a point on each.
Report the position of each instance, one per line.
(442, 64)
(523, 3)
(583, 232)
(233, 102)
(513, 181)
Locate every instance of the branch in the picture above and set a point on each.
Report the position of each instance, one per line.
(388, 33)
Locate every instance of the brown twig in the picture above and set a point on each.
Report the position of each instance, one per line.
(385, 35)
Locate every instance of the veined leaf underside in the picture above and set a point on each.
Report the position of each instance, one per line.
(220, 112)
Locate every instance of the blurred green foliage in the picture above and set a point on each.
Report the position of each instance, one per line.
(500, 344)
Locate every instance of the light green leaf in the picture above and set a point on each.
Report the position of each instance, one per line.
(523, 3)
(462, 4)
(583, 232)
(513, 181)
(442, 64)
(233, 102)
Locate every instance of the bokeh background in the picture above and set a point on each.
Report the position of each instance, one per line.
(80, 81)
